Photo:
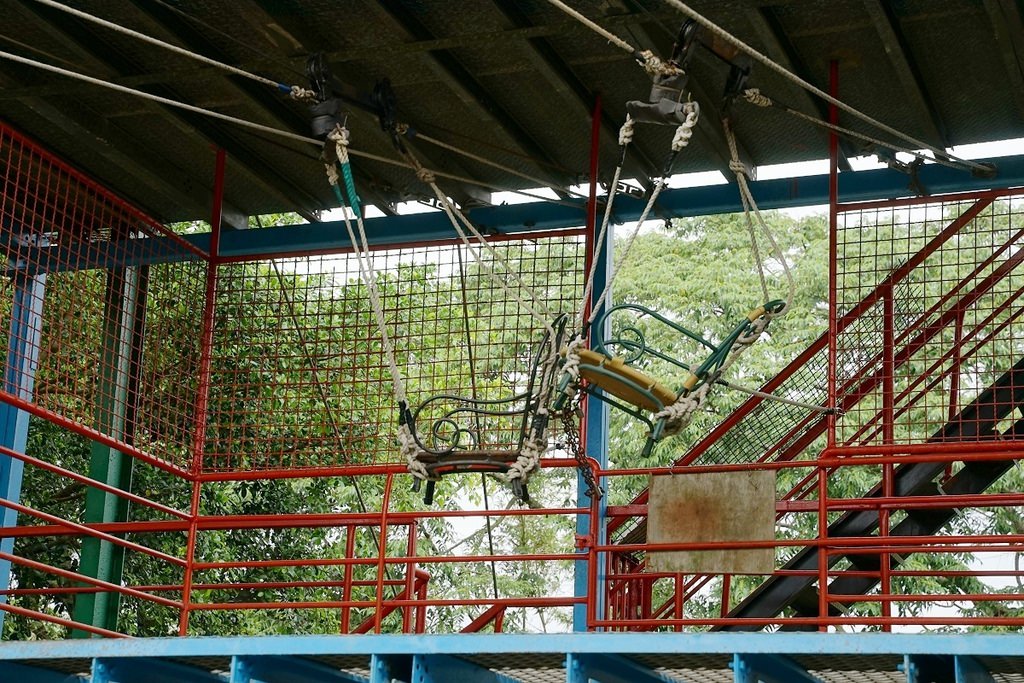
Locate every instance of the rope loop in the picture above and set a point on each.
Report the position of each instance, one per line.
(426, 175)
(332, 174)
(754, 96)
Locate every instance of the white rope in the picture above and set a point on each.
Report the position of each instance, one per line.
(533, 450)
(679, 141)
(364, 261)
(156, 98)
(410, 450)
(595, 27)
(679, 413)
(789, 75)
(773, 397)
(540, 182)
(752, 214)
(537, 310)
(246, 124)
(625, 137)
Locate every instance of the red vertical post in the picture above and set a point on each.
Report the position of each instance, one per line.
(833, 226)
(888, 434)
(203, 395)
(346, 589)
(382, 546)
(410, 578)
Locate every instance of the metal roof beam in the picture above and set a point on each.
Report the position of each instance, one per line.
(769, 668)
(610, 668)
(470, 91)
(34, 674)
(148, 670)
(968, 669)
(100, 51)
(768, 29)
(427, 668)
(271, 103)
(561, 77)
(1008, 26)
(907, 72)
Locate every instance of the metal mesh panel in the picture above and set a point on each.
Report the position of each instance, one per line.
(941, 328)
(68, 236)
(300, 379)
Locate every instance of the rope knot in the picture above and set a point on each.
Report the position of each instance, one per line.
(332, 174)
(656, 66)
(685, 130)
(626, 132)
(426, 175)
(738, 167)
(300, 94)
(754, 96)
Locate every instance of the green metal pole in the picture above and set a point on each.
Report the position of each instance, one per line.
(117, 390)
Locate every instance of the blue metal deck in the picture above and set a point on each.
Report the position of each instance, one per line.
(481, 658)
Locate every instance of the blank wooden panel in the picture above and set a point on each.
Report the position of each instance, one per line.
(707, 507)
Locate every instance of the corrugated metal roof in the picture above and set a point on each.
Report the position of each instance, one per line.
(509, 80)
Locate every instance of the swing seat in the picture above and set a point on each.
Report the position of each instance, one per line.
(616, 379)
(458, 434)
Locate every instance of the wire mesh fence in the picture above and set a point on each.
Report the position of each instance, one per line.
(95, 364)
(300, 374)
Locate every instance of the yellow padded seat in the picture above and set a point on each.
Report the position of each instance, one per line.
(612, 383)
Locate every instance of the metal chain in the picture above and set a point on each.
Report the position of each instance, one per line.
(571, 417)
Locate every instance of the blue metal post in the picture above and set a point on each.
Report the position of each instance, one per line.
(19, 380)
(596, 428)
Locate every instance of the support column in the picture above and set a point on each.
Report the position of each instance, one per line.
(120, 369)
(19, 380)
(595, 428)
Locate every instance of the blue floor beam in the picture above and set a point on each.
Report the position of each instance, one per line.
(967, 669)
(149, 670)
(612, 668)
(445, 669)
(282, 669)
(18, 673)
(769, 668)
